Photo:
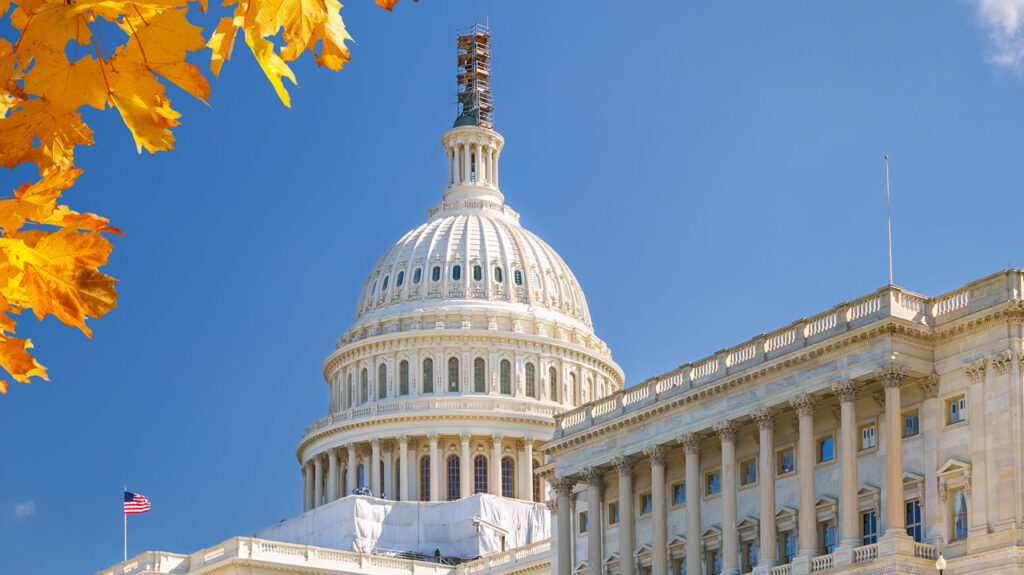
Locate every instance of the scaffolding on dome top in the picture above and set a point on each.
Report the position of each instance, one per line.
(476, 107)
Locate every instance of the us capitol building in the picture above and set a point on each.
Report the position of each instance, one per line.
(477, 425)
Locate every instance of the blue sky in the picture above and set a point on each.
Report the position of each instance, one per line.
(711, 171)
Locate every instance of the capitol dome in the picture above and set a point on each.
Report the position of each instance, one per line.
(471, 334)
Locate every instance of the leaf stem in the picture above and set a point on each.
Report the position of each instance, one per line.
(136, 36)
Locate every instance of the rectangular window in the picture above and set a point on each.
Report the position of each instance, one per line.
(787, 540)
(956, 409)
(646, 503)
(914, 519)
(911, 423)
(826, 537)
(785, 461)
(713, 483)
(583, 521)
(869, 528)
(714, 560)
(679, 567)
(750, 555)
(958, 513)
(867, 436)
(748, 472)
(826, 449)
(613, 513)
(679, 493)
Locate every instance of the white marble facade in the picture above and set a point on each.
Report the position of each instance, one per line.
(777, 456)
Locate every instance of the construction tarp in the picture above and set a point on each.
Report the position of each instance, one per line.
(370, 525)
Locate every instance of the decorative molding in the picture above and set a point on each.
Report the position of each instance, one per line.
(432, 436)
(976, 370)
(624, 465)
(726, 431)
(764, 417)
(656, 453)
(562, 485)
(893, 375)
(804, 404)
(592, 476)
(496, 438)
(690, 443)
(930, 386)
(465, 437)
(846, 390)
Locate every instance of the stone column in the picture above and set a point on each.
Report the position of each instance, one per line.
(807, 518)
(624, 465)
(659, 511)
(366, 469)
(765, 418)
(726, 431)
(978, 516)
(318, 480)
(332, 475)
(564, 541)
(480, 176)
(450, 155)
(849, 534)
(351, 467)
(465, 171)
(691, 445)
(465, 467)
(895, 518)
(403, 467)
(931, 423)
(595, 527)
(494, 482)
(375, 467)
(435, 483)
(307, 491)
(527, 492)
(387, 490)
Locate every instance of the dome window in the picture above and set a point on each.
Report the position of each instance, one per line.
(417, 275)
(518, 277)
(565, 292)
(505, 376)
(384, 286)
(456, 272)
(373, 290)
(400, 279)
(479, 376)
(478, 273)
(435, 274)
(498, 275)
(536, 280)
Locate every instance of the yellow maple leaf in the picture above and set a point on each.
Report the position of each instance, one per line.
(57, 130)
(35, 201)
(160, 42)
(221, 43)
(139, 96)
(15, 358)
(273, 66)
(67, 85)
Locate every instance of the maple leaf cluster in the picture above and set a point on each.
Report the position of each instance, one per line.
(60, 64)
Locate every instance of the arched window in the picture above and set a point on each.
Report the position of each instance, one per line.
(435, 274)
(498, 275)
(478, 273)
(479, 375)
(553, 383)
(507, 477)
(518, 276)
(400, 279)
(536, 281)
(505, 376)
(480, 474)
(453, 477)
(384, 286)
(456, 272)
(428, 375)
(531, 381)
(565, 293)
(417, 275)
(425, 478)
(453, 374)
(382, 381)
(373, 290)
(572, 390)
(403, 378)
(364, 386)
(536, 481)
(361, 476)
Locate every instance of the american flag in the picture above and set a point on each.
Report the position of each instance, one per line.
(135, 503)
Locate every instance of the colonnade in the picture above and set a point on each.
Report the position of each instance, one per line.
(408, 467)
(473, 163)
(894, 540)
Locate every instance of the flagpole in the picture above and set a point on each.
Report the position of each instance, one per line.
(888, 214)
(125, 515)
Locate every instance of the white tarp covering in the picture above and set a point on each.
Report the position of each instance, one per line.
(368, 524)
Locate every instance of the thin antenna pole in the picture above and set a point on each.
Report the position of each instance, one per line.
(888, 214)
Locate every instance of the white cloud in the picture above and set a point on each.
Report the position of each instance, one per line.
(25, 508)
(1004, 20)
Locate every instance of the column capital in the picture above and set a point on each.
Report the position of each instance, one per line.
(846, 390)
(332, 455)
(433, 437)
(726, 430)
(375, 442)
(930, 386)
(804, 404)
(976, 370)
(656, 453)
(465, 436)
(563, 485)
(764, 417)
(528, 441)
(403, 440)
(624, 465)
(552, 505)
(350, 446)
(593, 476)
(497, 437)
(1002, 362)
(690, 442)
(893, 375)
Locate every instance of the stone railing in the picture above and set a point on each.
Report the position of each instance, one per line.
(865, 553)
(300, 557)
(926, 551)
(520, 406)
(782, 569)
(888, 302)
(539, 551)
(822, 563)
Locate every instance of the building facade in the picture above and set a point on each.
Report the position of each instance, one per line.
(866, 439)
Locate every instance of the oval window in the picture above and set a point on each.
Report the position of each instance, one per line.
(384, 286)
(518, 275)
(498, 276)
(456, 272)
(478, 273)
(400, 279)
(416, 275)
(435, 274)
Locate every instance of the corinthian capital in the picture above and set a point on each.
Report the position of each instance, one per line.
(764, 417)
(893, 375)
(624, 465)
(497, 437)
(465, 436)
(593, 476)
(1002, 362)
(930, 386)
(563, 485)
(403, 440)
(804, 404)
(690, 443)
(726, 431)
(656, 453)
(976, 370)
(846, 390)
(433, 436)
